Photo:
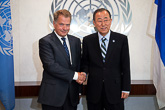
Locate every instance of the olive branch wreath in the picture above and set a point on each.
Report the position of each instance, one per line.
(5, 50)
(127, 16)
(57, 6)
(126, 13)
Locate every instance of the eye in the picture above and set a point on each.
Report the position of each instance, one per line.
(67, 24)
(99, 21)
(61, 24)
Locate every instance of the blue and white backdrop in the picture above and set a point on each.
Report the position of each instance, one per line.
(31, 20)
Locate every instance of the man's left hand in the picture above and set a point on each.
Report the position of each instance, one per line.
(124, 95)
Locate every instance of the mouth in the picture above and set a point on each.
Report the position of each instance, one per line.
(104, 28)
(64, 31)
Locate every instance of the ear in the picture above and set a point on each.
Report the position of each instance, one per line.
(110, 21)
(94, 23)
(54, 24)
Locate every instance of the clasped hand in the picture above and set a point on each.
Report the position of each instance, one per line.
(81, 77)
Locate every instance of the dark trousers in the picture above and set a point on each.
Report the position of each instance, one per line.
(66, 106)
(104, 104)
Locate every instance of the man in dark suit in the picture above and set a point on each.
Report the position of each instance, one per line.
(106, 60)
(60, 54)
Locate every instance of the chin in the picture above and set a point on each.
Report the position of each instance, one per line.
(63, 35)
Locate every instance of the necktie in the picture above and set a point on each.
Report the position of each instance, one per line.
(66, 48)
(103, 48)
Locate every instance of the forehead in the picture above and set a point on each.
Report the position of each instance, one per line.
(102, 15)
(62, 18)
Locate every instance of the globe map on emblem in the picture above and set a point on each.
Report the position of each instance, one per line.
(6, 39)
(82, 15)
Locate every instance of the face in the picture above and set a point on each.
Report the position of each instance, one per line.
(62, 25)
(102, 22)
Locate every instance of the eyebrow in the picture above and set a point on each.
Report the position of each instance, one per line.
(103, 18)
(106, 17)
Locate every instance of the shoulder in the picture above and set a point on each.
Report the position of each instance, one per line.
(120, 38)
(73, 38)
(48, 37)
(118, 35)
(91, 36)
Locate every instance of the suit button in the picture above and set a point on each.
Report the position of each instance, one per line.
(104, 68)
(103, 80)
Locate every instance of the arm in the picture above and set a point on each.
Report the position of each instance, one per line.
(85, 58)
(125, 65)
(50, 65)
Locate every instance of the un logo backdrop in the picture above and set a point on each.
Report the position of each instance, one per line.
(6, 39)
(82, 15)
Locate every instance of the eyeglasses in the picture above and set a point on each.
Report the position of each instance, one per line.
(106, 21)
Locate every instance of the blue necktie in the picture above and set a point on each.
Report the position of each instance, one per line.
(66, 48)
(103, 48)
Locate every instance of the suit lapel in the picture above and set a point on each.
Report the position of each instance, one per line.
(111, 46)
(60, 46)
(96, 46)
(72, 48)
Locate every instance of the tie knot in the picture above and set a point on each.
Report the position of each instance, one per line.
(63, 39)
(103, 39)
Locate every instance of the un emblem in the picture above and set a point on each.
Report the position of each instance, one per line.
(82, 15)
(6, 39)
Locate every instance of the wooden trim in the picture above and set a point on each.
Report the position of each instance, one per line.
(27, 89)
(138, 87)
(142, 87)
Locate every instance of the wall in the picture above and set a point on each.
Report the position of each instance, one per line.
(30, 21)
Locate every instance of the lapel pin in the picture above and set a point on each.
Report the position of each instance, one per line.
(113, 40)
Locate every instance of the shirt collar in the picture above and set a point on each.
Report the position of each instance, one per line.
(60, 36)
(107, 36)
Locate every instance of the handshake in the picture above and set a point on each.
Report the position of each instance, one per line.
(81, 77)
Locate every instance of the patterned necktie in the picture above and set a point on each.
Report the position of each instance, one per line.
(103, 48)
(65, 46)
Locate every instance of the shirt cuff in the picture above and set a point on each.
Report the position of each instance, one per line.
(75, 76)
(126, 92)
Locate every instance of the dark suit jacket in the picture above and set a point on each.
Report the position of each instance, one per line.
(58, 72)
(114, 73)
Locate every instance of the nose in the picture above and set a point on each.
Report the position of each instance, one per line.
(64, 27)
(102, 23)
